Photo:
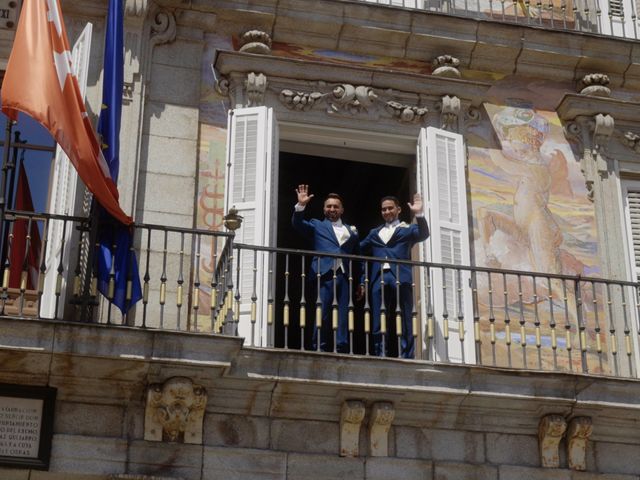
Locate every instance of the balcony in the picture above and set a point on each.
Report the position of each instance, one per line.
(204, 283)
(614, 18)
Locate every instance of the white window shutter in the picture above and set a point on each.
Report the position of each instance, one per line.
(251, 187)
(441, 180)
(631, 199)
(66, 193)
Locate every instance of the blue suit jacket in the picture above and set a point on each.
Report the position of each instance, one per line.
(324, 239)
(398, 247)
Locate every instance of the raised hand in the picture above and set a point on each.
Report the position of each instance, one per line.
(416, 206)
(303, 194)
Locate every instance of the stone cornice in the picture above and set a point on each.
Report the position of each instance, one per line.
(228, 63)
(574, 105)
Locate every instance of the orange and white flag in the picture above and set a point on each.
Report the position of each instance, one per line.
(39, 82)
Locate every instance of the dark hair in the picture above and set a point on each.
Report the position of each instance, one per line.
(392, 198)
(336, 197)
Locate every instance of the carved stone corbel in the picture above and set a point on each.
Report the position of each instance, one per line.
(446, 66)
(595, 85)
(255, 41)
(550, 431)
(602, 130)
(222, 85)
(351, 418)
(255, 87)
(580, 429)
(449, 112)
(382, 415)
(175, 411)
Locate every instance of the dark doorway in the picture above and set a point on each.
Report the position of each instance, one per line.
(362, 185)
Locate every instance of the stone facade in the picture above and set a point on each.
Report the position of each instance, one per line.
(243, 412)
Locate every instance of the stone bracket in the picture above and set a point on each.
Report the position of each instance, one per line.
(580, 429)
(382, 415)
(351, 417)
(550, 432)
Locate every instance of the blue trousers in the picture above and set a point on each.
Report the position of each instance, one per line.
(407, 347)
(326, 298)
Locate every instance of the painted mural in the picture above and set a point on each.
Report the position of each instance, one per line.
(531, 212)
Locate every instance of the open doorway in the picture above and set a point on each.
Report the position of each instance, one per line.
(361, 185)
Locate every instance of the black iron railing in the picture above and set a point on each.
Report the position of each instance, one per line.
(201, 281)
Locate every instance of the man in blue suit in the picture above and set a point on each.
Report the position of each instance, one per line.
(331, 236)
(394, 240)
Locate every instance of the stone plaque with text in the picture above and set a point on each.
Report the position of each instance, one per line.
(9, 10)
(26, 425)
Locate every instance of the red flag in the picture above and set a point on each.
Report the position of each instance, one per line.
(39, 81)
(18, 245)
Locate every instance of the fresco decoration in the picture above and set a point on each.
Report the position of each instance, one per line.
(531, 212)
(345, 58)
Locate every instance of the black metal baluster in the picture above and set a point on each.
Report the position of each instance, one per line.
(367, 309)
(180, 283)
(163, 280)
(507, 320)
(398, 312)
(598, 329)
(552, 325)
(431, 344)
(254, 299)
(351, 317)
(459, 303)
(582, 335)
(476, 317)
(334, 307)
(286, 302)
(612, 331)
(536, 322)
(383, 315)
(523, 332)
(195, 301)
(60, 270)
(567, 324)
(318, 332)
(303, 303)
(146, 278)
(43, 265)
(627, 331)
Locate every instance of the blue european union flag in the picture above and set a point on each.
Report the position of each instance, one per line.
(115, 238)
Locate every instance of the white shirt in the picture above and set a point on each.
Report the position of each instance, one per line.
(342, 233)
(387, 231)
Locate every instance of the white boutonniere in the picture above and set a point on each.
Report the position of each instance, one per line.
(403, 225)
(353, 229)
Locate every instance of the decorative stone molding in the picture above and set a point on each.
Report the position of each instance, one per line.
(406, 113)
(255, 85)
(446, 66)
(580, 429)
(163, 27)
(351, 418)
(300, 100)
(382, 415)
(136, 8)
(127, 476)
(350, 99)
(472, 116)
(255, 41)
(175, 411)
(550, 432)
(632, 140)
(602, 130)
(595, 85)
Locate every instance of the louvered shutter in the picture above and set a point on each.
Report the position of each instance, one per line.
(251, 187)
(66, 190)
(442, 182)
(631, 198)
